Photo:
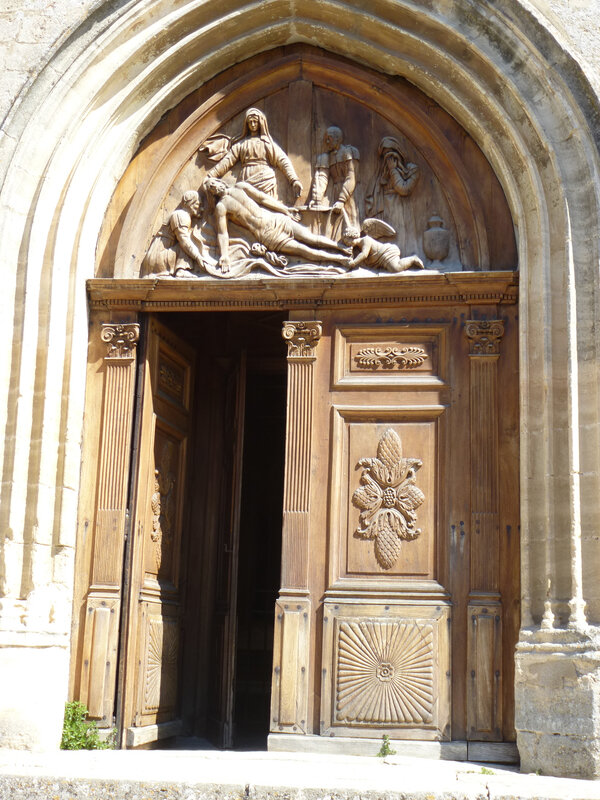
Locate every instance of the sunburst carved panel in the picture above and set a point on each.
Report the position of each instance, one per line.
(160, 679)
(385, 673)
(386, 669)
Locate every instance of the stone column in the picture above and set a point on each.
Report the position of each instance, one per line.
(289, 703)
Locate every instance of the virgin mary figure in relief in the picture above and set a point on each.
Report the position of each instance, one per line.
(257, 154)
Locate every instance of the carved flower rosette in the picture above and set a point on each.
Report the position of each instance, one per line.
(388, 498)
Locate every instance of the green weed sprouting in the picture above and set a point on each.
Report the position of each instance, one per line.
(386, 749)
(82, 734)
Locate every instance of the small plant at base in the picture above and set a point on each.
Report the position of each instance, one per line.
(486, 771)
(385, 749)
(81, 734)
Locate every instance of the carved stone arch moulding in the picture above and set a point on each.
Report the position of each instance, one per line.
(369, 182)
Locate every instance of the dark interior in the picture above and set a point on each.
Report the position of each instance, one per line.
(235, 352)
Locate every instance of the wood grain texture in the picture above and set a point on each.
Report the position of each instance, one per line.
(151, 657)
(101, 627)
(291, 649)
(484, 666)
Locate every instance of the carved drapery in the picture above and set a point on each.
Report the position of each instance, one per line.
(103, 603)
(484, 645)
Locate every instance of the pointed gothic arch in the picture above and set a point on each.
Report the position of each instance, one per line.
(500, 74)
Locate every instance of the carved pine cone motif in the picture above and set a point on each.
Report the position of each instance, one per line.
(387, 547)
(388, 499)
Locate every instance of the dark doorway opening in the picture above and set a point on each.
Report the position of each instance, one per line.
(259, 553)
(232, 545)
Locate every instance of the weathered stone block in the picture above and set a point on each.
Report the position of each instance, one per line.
(32, 709)
(557, 702)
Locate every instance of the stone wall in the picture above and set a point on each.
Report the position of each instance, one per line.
(84, 82)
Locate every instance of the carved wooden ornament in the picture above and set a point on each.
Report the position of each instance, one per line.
(121, 339)
(388, 498)
(385, 673)
(390, 357)
(302, 337)
(484, 336)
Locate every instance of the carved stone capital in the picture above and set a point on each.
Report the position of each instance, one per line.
(302, 337)
(121, 338)
(484, 336)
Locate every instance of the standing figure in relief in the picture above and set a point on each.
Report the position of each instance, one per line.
(334, 182)
(393, 182)
(257, 154)
(173, 250)
(270, 222)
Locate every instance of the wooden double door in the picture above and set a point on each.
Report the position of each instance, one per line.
(323, 529)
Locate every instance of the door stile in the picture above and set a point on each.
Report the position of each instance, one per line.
(124, 643)
(291, 646)
(101, 627)
(484, 626)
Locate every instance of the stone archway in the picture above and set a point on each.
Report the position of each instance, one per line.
(536, 128)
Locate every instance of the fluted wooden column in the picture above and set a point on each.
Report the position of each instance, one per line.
(484, 645)
(289, 703)
(101, 635)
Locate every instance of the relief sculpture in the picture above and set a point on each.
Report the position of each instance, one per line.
(235, 223)
(334, 182)
(257, 154)
(388, 499)
(389, 191)
(173, 250)
(385, 673)
(271, 223)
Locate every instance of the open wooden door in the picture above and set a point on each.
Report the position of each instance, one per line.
(153, 628)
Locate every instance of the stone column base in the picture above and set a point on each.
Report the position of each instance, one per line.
(557, 702)
(34, 665)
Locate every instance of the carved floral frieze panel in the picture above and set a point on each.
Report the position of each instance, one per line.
(390, 357)
(393, 355)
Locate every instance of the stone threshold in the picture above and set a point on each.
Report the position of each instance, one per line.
(209, 774)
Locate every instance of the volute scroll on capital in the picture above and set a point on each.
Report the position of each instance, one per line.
(121, 339)
(484, 336)
(302, 337)
(235, 222)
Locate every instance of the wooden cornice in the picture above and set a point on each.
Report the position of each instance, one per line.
(168, 294)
